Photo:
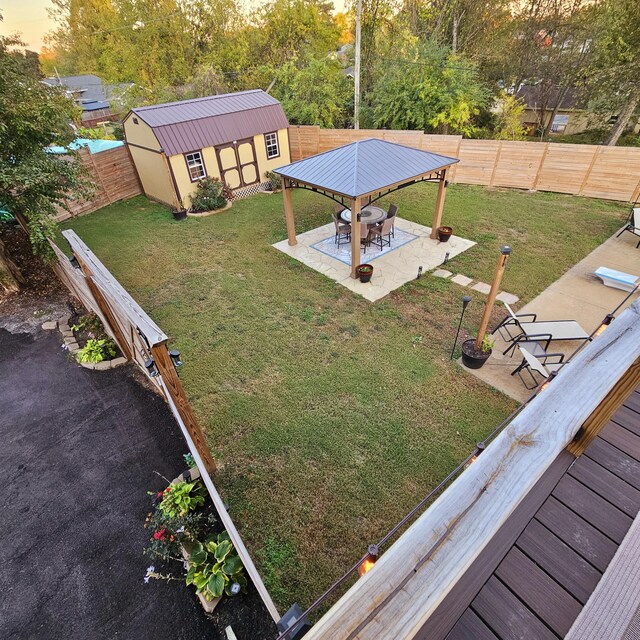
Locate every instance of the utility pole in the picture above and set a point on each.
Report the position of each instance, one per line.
(356, 84)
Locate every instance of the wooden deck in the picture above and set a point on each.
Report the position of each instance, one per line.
(536, 574)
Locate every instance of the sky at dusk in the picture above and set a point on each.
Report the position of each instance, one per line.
(30, 19)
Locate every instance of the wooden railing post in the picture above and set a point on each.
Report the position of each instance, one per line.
(605, 410)
(174, 387)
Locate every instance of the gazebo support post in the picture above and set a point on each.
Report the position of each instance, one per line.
(355, 235)
(288, 212)
(437, 216)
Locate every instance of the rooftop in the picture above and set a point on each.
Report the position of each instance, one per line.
(364, 167)
(188, 125)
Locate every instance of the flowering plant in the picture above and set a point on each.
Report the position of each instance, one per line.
(181, 498)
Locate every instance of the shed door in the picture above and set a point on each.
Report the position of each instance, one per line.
(238, 164)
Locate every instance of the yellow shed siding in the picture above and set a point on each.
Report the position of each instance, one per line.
(265, 164)
(140, 134)
(154, 174)
(186, 187)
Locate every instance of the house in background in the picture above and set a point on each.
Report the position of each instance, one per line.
(91, 94)
(570, 118)
(236, 137)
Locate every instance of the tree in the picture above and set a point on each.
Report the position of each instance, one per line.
(425, 87)
(33, 182)
(318, 93)
(508, 114)
(615, 72)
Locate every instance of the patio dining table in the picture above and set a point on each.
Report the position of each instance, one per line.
(368, 215)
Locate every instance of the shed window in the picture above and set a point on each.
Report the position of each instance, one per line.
(195, 166)
(271, 140)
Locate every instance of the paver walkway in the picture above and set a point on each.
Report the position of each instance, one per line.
(79, 451)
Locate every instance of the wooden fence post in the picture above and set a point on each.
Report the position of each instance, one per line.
(542, 159)
(104, 307)
(174, 387)
(605, 410)
(596, 154)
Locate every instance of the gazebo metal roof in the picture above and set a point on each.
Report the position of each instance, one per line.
(364, 167)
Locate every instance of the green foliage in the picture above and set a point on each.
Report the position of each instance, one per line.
(182, 497)
(209, 195)
(189, 461)
(169, 533)
(274, 179)
(95, 133)
(214, 567)
(316, 92)
(96, 350)
(33, 182)
(487, 343)
(89, 322)
(508, 125)
(429, 89)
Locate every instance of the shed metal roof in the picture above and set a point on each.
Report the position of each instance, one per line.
(364, 167)
(190, 125)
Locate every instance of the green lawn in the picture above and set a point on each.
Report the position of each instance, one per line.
(330, 416)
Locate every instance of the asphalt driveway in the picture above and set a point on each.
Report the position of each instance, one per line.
(79, 450)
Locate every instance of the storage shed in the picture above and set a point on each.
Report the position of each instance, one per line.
(236, 137)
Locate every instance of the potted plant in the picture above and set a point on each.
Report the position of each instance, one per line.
(179, 213)
(444, 233)
(473, 358)
(364, 272)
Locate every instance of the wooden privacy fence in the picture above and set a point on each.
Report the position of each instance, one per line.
(143, 342)
(593, 171)
(114, 177)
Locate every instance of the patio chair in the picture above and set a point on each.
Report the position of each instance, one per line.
(380, 232)
(365, 236)
(338, 209)
(343, 230)
(532, 364)
(536, 330)
(633, 224)
(391, 214)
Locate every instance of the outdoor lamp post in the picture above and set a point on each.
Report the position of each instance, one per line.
(465, 303)
(505, 252)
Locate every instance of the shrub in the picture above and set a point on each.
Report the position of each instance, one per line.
(214, 567)
(210, 194)
(181, 498)
(275, 179)
(97, 350)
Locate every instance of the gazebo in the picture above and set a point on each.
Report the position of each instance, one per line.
(357, 174)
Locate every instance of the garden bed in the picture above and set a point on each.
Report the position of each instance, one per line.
(244, 612)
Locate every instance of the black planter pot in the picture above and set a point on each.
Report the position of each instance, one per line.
(179, 214)
(444, 233)
(471, 358)
(365, 276)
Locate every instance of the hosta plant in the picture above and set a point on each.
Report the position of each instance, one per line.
(214, 566)
(181, 498)
(96, 351)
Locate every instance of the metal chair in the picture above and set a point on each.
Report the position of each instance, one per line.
(531, 363)
(633, 224)
(365, 236)
(391, 214)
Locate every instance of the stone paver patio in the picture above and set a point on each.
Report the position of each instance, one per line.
(577, 295)
(392, 268)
